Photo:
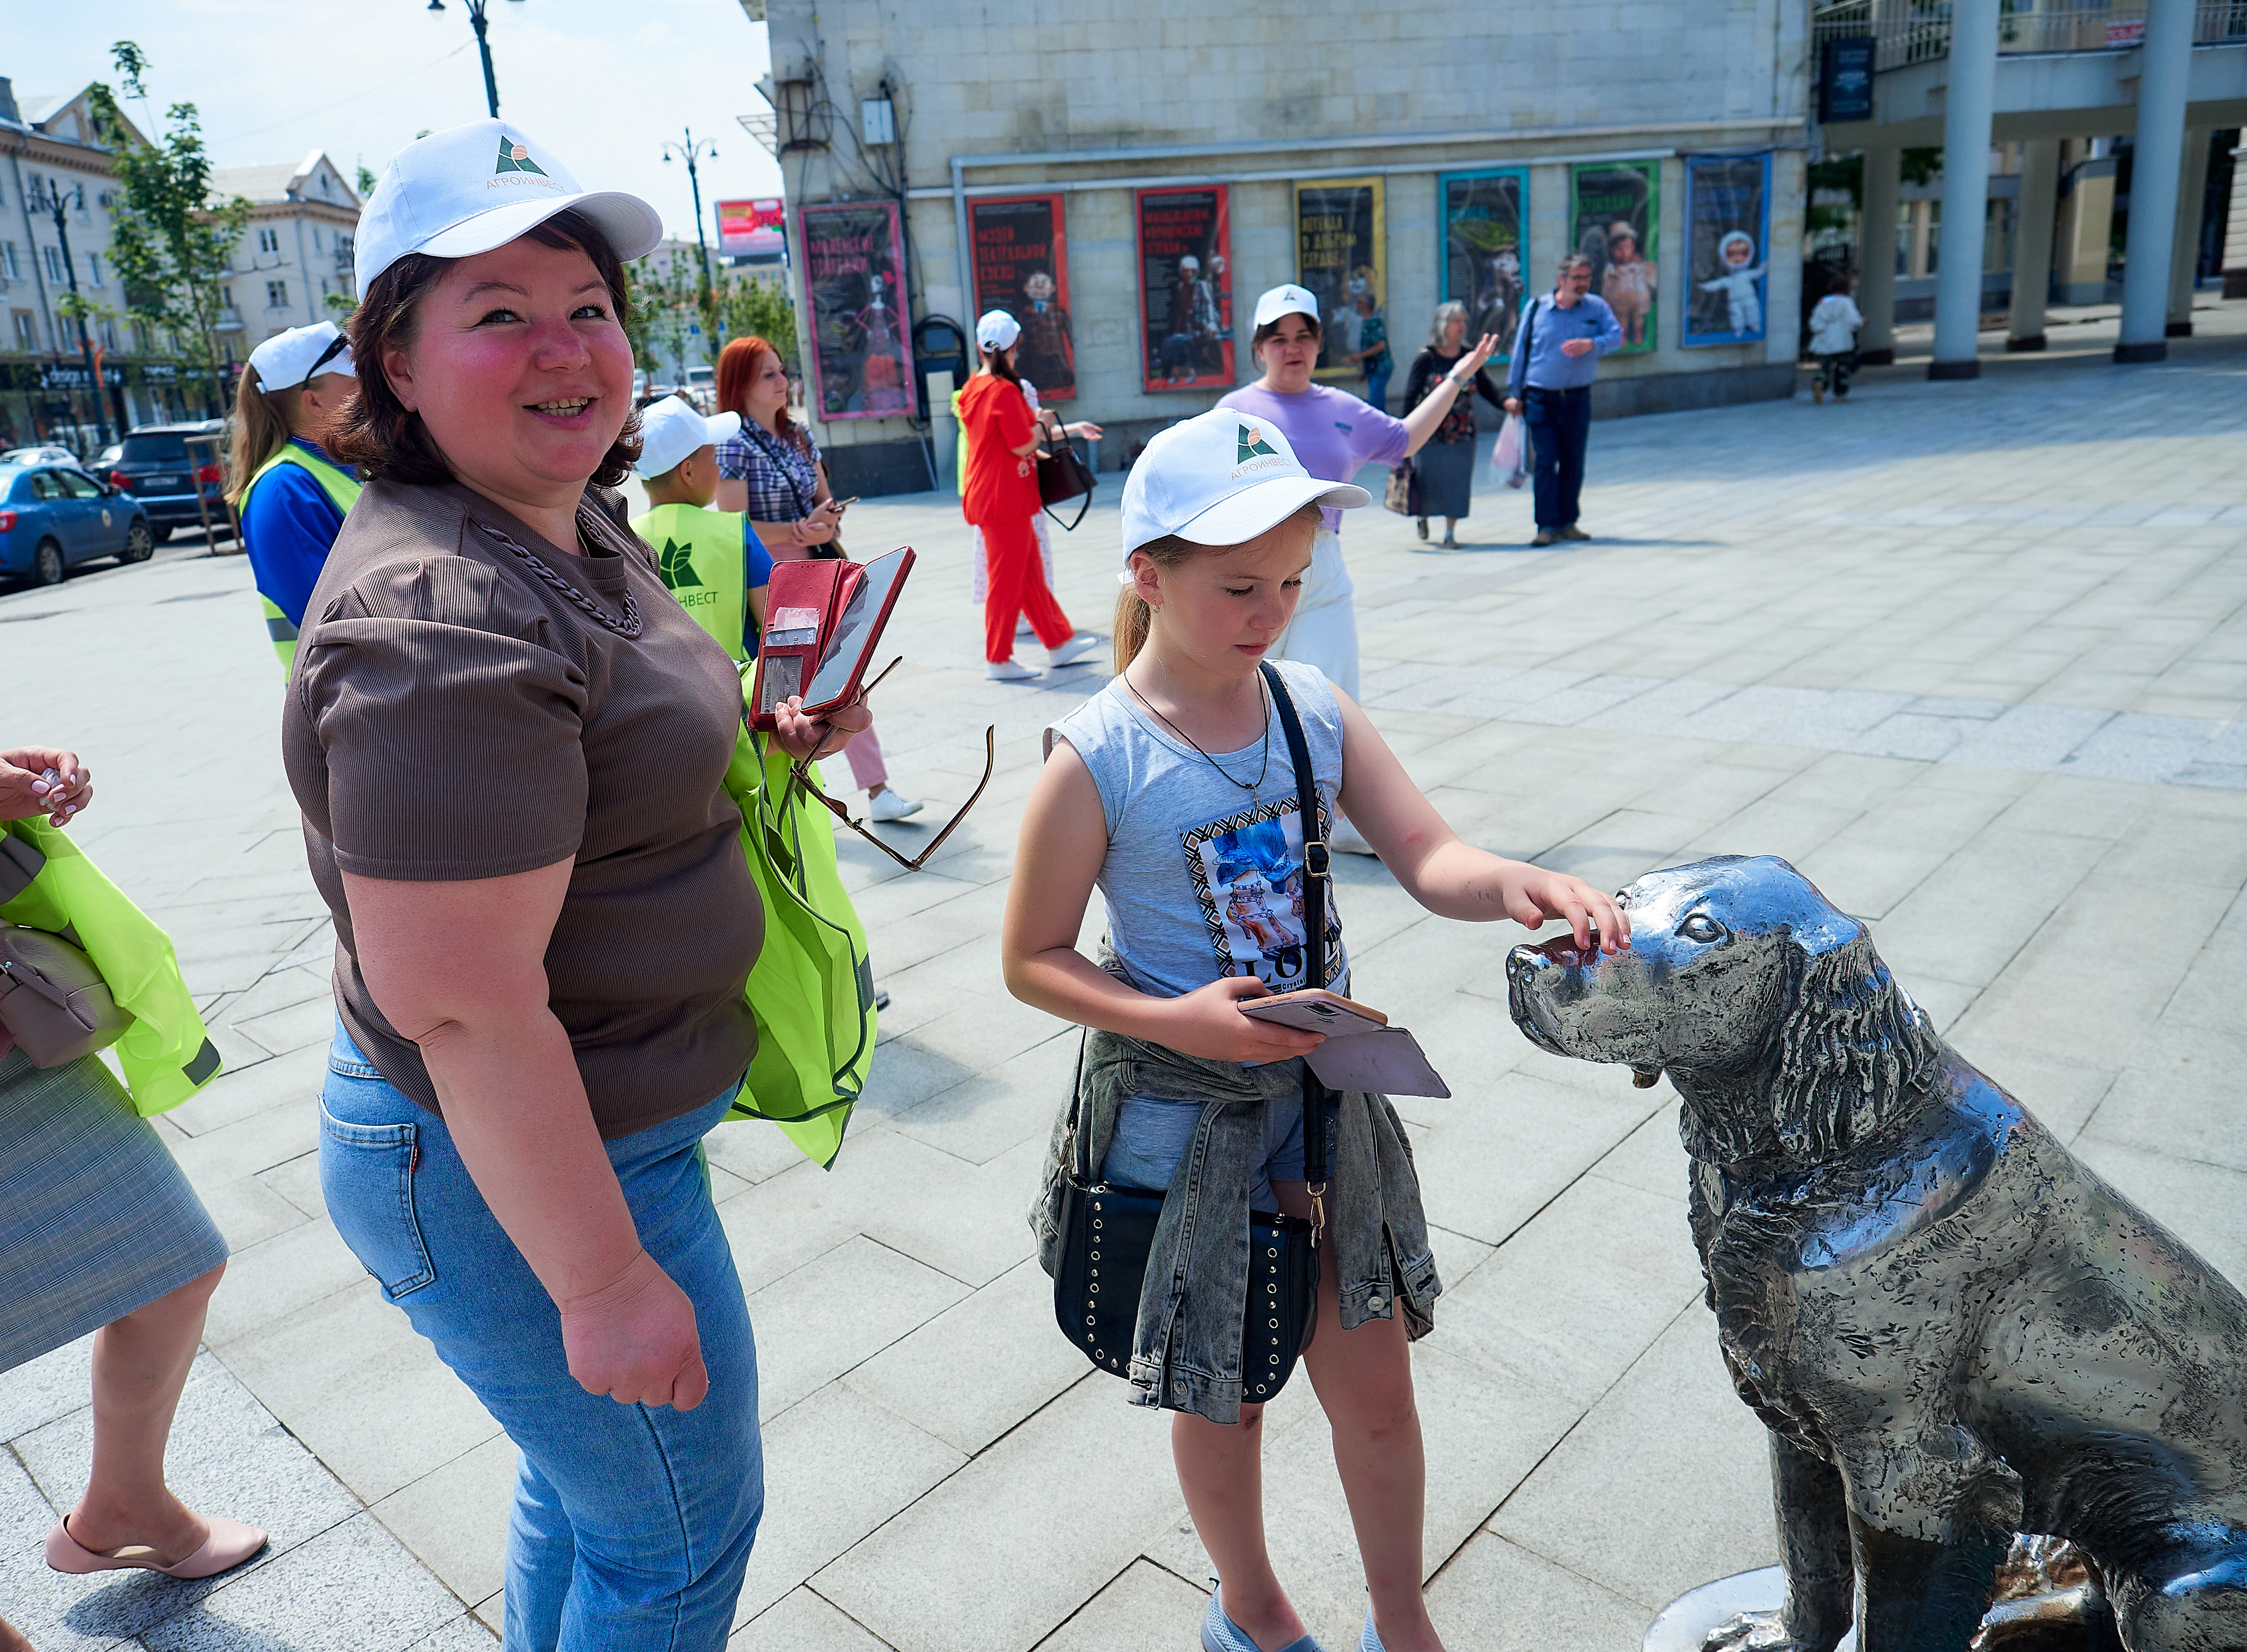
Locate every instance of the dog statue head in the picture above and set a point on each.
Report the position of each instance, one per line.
(1766, 1006)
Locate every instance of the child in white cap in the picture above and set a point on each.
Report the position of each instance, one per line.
(712, 559)
(1174, 792)
(289, 495)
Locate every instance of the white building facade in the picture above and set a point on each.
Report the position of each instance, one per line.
(1442, 150)
(295, 253)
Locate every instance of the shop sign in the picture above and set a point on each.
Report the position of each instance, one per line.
(62, 376)
(752, 228)
(1845, 80)
(1186, 289)
(1020, 267)
(1727, 244)
(1614, 212)
(861, 347)
(1341, 255)
(1484, 253)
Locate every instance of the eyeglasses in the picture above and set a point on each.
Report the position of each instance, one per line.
(799, 774)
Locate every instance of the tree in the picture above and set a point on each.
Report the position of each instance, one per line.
(665, 304)
(756, 306)
(171, 242)
(365, 184)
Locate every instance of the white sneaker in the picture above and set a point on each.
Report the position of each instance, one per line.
(1072, 651)
(1346, 839)
(1007, 671)
(890, 804)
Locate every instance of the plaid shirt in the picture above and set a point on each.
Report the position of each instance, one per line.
(783, 479)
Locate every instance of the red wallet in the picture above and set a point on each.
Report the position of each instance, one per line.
(823, 619)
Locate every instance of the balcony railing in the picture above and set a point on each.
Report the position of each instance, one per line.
(1919, 31)
(229, 320)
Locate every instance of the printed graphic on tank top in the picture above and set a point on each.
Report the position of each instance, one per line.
(1247, 871)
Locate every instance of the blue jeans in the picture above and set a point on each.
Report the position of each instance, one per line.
(1376, 388)
(1560, 427)
(632, 1524)
(1152, 1133)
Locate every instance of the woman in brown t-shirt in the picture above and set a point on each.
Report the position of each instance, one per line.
(507, 739)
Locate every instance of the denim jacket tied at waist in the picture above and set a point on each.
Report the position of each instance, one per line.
(1185, 1351)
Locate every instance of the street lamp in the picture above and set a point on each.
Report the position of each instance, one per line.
(476, 22)
(56, 201)
(688, 152)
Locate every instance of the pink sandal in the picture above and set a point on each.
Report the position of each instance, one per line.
(229, 1544)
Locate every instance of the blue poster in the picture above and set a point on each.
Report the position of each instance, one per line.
(1727, 248)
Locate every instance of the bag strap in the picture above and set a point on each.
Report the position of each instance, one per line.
(1317, 870)
(1068, 447)
(775, 455)
(1080, 1139)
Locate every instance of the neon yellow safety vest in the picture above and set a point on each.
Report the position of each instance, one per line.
(342, 489)
(165, 1055)
(699, 555)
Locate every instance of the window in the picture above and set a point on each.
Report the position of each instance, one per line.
(9, 265)
(226, 296)
(269, 241)
(109, 334)
(316, 237)
(46, 484)
(277, 295)
(27, 333)
(93, 267)
(54, 271)
(79, 487)
(344, 244)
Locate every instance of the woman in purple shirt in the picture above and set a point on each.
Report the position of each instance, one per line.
(1333, 432)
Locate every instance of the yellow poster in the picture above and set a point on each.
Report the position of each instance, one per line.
(1341, 242)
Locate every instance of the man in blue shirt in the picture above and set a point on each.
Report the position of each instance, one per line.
(1555, 358)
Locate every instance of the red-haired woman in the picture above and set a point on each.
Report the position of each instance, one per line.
(772, 470)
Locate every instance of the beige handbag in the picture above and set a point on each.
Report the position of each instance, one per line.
(51, 997)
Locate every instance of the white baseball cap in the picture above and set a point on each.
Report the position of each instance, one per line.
(291, 357)
(997, 330)
(1221, 478)
(670, 430)
(470, 188)
(1286, 299)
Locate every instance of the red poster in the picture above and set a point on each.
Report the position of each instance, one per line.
(861, 348)
(1185, 295)
(1021, 267)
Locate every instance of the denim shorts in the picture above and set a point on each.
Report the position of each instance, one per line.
(1152, 1133)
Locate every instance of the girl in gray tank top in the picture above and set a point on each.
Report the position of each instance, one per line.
(1172, 792)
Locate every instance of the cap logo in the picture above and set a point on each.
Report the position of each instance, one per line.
(1253, 443)
(514, 157)
(678, 568)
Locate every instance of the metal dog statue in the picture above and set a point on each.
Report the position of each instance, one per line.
(1953, 1329)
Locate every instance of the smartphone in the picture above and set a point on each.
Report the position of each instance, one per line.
(1315, 1010)
(841, 505)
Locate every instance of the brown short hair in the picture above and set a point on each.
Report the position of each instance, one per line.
(1256, 339)
(382, 436)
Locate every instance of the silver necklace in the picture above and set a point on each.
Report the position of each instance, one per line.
(628, 627)
(1248, 786)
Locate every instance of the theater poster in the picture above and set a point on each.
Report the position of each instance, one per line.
(861, 342)
(1485, 257)
(1727, 238)
(1615, 212)
(1020, 268)
(1186, 289)
(1341, 238)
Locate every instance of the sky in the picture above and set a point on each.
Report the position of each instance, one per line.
(602, 83)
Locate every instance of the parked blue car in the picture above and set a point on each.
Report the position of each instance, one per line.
(53, 517)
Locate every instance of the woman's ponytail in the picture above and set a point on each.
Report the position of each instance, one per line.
(260, 429)
(1133, 618)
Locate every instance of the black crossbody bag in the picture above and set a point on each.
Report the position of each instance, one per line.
(1107, 1231)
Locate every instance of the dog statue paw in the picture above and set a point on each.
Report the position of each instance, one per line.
(1752, 1632)
(1955, 1331)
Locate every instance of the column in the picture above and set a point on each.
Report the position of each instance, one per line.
(2184, 251)
(2165, 69)
(2033, 242)
(1876, 253)
(2235, 230)
(1968, 101)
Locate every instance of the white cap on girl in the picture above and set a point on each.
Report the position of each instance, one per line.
(1221, 478)
(997, 330)
(291, 357)
(1286, 299)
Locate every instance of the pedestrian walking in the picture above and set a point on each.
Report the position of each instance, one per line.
(770, 470)
(1333, 433)
(1833, 322)
(1563, 335)
(508, 745)
(1000, 497)
(289, 495)
(1181, 1093)
(100, 1231)
(1447, 463)
(1374, 359)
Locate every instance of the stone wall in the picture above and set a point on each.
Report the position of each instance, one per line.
(1282, 93)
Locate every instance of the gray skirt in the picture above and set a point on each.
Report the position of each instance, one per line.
(97, 1220)
(1446, 477)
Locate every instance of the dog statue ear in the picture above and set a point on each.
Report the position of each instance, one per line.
(1850, 1043)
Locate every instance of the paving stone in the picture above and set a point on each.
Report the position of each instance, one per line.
(293, 1080)
(453, 1518)
(39, 1390)
(1496, 1596)
(354, 1589)
(837, 1466)
(835, 1312)
(464, 1633)
(804, 1622)
(1147, 1609)
(275, 1278)
(25, 1516)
